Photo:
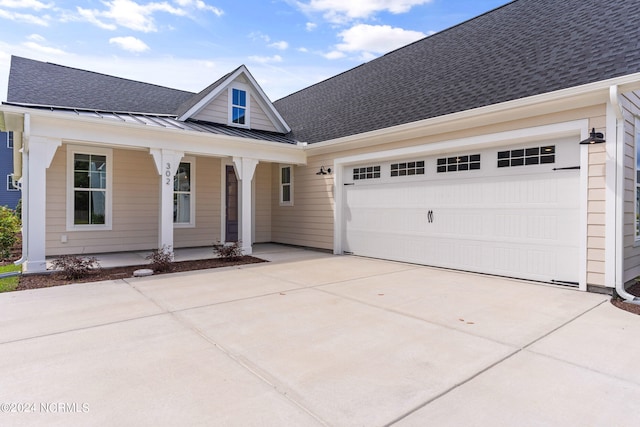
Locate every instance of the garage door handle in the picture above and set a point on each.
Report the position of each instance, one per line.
(430, 216)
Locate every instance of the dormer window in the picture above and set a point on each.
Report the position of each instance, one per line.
(239, 107)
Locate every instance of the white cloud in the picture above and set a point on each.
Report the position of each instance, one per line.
(25, 17)
(200, 5)
(266, 59)
(25, 4)
(341, 11)
(303, 49)
(282, 45)
(129, 43)
(36, 38)
(90, 16)
(310, 26)
(375, 38)
(37, 47)
(129, 14)
(334, 54)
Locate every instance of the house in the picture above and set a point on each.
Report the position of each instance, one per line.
(10, 192)
(504, 145)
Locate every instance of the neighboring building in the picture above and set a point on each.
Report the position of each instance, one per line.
(9, 192)
(460, 150)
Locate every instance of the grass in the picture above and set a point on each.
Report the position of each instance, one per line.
(9, 284)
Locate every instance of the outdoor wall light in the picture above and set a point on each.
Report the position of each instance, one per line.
(323, 171)
(594, 138)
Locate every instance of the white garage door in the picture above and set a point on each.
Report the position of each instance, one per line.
(511, 211)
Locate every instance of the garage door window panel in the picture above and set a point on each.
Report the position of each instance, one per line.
(367, 172)
(458, 163)
(527, 156)
(407, 168)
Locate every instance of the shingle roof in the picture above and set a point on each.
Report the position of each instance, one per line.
(188, 104)
(43, 83)
(524, 48)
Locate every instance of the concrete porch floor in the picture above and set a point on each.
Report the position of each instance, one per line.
(272, 252)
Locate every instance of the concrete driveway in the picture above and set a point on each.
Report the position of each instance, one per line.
(314, 339)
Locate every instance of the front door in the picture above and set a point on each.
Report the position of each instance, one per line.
(231, 211)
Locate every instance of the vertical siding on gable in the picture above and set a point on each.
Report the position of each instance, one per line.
(207, 194)
(217, 111)
(135, 207)
(631, 109)
(262, 187)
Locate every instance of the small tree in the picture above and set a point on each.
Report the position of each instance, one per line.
(9, 228)
(161, 259)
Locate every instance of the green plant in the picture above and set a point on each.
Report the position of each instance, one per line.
(161, 259)
(8, 284)
(229, 251)
(75, 267)
(9, 228)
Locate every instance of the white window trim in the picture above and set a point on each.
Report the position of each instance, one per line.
(281, 185)
(247, 117)
(9, 138)
(192, 199)
(72, 150)
(10, 180)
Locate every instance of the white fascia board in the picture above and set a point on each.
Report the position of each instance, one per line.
(89, 130)
(266, 103)
(546, 103)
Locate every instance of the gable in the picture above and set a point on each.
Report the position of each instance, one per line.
(217, 110)
(215, 104)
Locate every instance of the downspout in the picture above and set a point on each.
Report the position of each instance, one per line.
(619, 252)
(24, 187)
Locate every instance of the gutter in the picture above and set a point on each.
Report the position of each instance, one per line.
(619, 212)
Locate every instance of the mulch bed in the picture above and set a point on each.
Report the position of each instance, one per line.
(631, 308)
(35, 281)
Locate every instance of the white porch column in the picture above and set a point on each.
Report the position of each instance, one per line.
(40, 152)
(245, 169)
(167, 162)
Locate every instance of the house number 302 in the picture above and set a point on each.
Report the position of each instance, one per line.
(167, 174)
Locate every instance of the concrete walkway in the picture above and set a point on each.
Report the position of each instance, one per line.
(315, 339)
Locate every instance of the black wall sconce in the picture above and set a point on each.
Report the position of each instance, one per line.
(324, 171)
(594, 138)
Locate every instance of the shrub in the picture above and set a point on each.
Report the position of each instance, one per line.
(229, 251)
(161, 259)
(75, 267)
(9, 228)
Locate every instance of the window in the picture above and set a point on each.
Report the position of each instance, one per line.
(459, 163)
(408, 168)
(89, 188)
(286, 186)
(183, 197)
(10, 186)
(527, 156)
(9, 139)
(239, 107)
(367, 172)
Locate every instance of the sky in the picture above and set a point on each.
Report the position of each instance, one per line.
(287, 45)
